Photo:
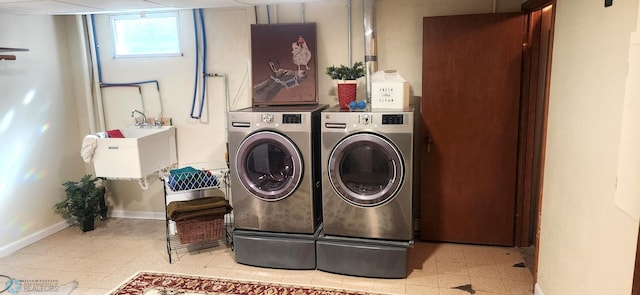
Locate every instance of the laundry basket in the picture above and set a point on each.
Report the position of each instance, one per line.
(200, 229)
(200, 219)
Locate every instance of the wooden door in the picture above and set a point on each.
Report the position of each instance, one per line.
(471, 94)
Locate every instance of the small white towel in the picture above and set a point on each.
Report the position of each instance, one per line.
(89, 144)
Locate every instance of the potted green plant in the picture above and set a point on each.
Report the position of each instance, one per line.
(346, 77)
(346, 73)
(84, 201)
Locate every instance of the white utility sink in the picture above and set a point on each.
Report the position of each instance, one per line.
(142, 151)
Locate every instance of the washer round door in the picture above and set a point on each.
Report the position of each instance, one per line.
(269, 165)
(366, 169)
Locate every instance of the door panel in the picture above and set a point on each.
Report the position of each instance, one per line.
(471, 93)
(366, 170)
(269, 165)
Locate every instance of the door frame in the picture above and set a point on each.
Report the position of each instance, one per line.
(635, 286)
(529, 110)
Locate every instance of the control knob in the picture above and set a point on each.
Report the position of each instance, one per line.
(365, 119)
(267, 118)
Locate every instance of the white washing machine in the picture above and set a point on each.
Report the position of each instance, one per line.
(275, 184)
(367, 167)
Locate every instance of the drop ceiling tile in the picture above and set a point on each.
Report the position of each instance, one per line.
(198, 3)
(102, 6)
(270, 2)
(48, 7)
(118, 5)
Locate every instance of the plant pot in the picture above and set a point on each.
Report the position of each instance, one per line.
(88, 224)
(346, 93)
(103, 204)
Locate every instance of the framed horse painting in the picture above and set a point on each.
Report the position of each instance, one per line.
(283, 63)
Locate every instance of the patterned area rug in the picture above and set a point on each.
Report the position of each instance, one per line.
(149, 283)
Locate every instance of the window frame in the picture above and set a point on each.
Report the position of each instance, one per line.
(114, 18)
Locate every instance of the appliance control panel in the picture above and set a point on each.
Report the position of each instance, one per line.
(397, 119)
(291, 119)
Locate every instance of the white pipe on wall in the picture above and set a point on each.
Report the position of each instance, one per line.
(86, 80)
(349, 50)
(96, 83)
(274, 13)
(226, 98)
(370, 56)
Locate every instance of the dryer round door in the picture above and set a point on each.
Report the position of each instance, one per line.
(269, 165)
(366, 169)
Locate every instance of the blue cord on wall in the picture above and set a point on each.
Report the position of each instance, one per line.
(195, 86)
(204, 63)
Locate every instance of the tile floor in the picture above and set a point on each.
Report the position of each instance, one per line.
(102, 259)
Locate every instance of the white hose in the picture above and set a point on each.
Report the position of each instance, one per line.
(86, 81)
(95, 76)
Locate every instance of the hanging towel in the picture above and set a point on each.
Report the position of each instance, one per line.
(89, 144)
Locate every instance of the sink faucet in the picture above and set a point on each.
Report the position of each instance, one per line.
(135, 121)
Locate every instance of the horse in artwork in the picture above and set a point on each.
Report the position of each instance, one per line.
(266, 90)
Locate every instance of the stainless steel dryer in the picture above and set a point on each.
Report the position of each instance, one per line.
(367, 167)
(273, 151)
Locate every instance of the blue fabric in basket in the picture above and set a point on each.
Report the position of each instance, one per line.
(188, 178)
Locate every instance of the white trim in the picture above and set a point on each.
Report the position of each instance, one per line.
(32, 238)
(137, 214)
(537, 290)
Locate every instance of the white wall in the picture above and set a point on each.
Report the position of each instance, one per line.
(40, 136)
(587, 241)
(199, 141)
(399, 32)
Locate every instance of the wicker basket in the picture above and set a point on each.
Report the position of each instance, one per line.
(200, 229)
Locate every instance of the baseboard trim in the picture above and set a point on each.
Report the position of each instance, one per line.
(32, 238)
(137, 214)
(537, 290)
(41, 234)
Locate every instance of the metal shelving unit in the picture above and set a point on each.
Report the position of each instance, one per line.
(183, 186)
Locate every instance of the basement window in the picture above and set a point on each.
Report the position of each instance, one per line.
(146, 34)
